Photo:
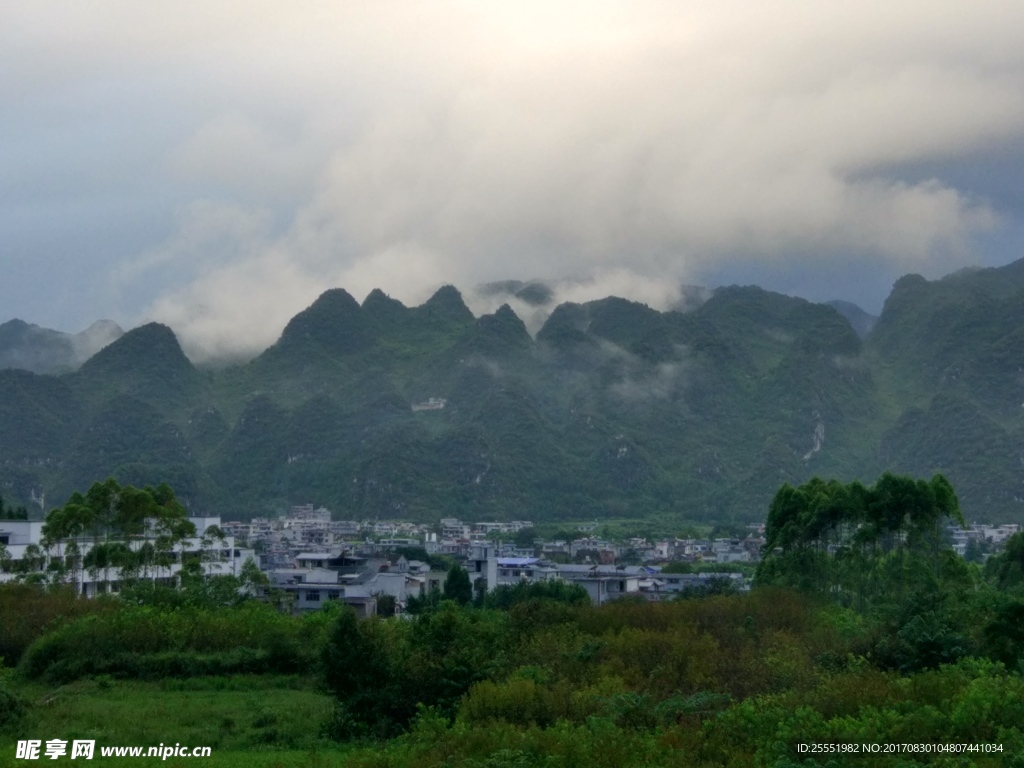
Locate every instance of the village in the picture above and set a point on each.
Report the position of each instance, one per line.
(307, 559)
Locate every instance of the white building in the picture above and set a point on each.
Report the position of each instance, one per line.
(514, 570)
(604, 582)
(317, 578)
(453, 528)
(219, 556)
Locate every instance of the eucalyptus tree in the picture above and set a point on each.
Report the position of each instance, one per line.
(171, 524)
(212, 534)
(253, 581)
(10, 513)
(68, 524)
(97, 512)
(1006, 570)
(147, 557)
(54, 535)
(63, 524)
(32, 562)
(809, 532)
(457, 586)
(117, 519)
(133, 509)
(97, 559)
(847, 539)
(73, 554)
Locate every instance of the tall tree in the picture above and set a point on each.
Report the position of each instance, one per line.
(834, 538)
(1006, 570)
(117, 518)
(358, 670)
(457, 586)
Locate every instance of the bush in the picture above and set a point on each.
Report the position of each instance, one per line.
(12, 707)
(519, 701)
(144, 642)
(506, 597)
(28, 611)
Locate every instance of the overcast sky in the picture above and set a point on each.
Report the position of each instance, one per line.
(215, 165)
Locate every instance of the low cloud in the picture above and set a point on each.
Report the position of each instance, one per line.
(659, 293)
(631, 145)
(660, 383)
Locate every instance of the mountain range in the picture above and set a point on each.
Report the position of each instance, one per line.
(612, 409)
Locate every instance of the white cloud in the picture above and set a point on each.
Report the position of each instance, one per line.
(407, 145)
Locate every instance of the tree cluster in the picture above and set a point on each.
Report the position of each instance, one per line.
(8, 512)
(135, 531)
(850, 541)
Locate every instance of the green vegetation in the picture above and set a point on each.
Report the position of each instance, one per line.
(864, 628)
(26, 612)
(848, 541)
(540, 593)
(614, 412)
(723, 681)
(457, 586)
(112, 516)
(143, 642)
(242, 718)
(12, 513)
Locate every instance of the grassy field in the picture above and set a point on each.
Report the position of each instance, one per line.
(268, 721)
(655, 527)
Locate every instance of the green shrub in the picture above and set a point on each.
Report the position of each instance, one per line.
(28, 611)
(506, 596)
(12, 707)
(148, 643)
(519, 701)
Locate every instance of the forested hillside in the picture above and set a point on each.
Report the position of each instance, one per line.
(613, 409)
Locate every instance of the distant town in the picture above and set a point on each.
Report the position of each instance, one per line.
(310, 558)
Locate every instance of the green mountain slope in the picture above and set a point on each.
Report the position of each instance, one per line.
(614, 409)
(146, 364)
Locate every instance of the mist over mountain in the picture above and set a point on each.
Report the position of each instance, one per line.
(534, 300)
(609, 408)
(534, 293)
(42, 350)
(862, 322)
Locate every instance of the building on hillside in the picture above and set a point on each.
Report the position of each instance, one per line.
(453, 528)
(312, 588)
(511, 550)
(998, 534)
(398, 543)
(431, 404)
(487, 529)
(728, 551)
(344, 528)
(308, 513)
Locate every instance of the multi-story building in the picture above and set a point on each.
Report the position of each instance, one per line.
(316, 578)
(216, 552)
(453, 528)
(603, 582)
